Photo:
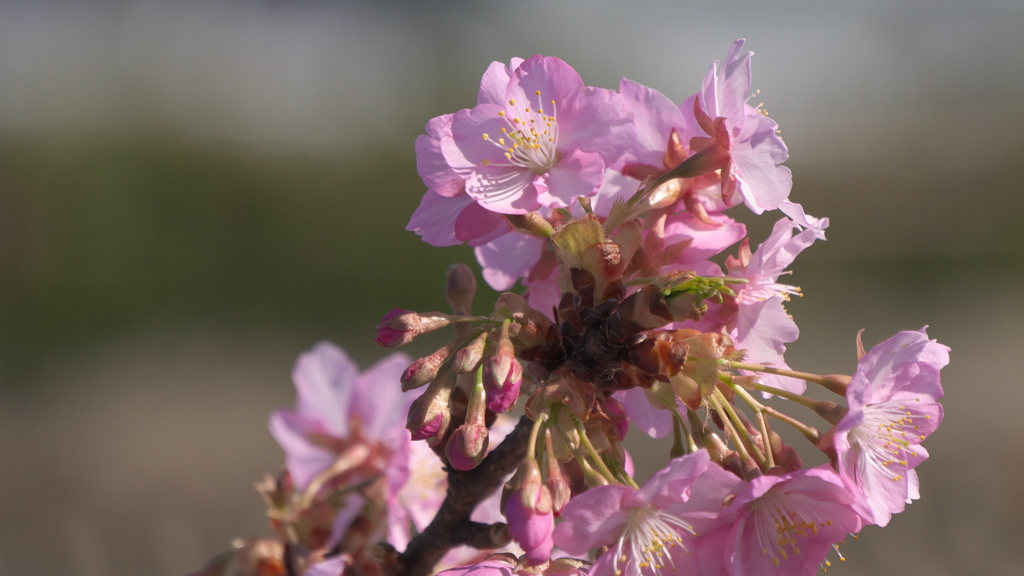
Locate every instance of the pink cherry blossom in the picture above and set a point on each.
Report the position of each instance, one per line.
(651, 530)
(893, 406)
(786, 525)
(760, 324)
(547, 143)
(342, 415)
(743, 134)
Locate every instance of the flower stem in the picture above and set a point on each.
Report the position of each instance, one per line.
(591, 451)
(814, 378)
(762, 421)
(716, 402)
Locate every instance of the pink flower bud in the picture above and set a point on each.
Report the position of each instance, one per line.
(467, 446)
(430, 414)
(425, 369)
(502, 394)
(399, 327)
(469, 357)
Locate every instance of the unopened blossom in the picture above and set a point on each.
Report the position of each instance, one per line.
(893, 406)
(742, 135)
(786, 525)
(399, 327)
(547, 143)
(651, 530)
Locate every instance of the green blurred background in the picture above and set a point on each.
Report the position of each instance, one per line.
(192, 193)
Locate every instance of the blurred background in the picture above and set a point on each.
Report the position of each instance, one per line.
(194, 192)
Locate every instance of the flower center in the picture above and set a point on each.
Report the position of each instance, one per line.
(529, 139)
(647, 541)
(779, 520)
(885, 437)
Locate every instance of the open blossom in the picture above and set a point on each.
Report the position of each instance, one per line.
(353, 425)
(651, 530)
(743, 135)
(546, 143)
(787, 525)
(760, 324)
(893, 407)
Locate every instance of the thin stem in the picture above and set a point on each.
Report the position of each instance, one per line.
(739, 424)
(762, 422)
(691, 444)
(591, 451)
(798, 398)
(814, 378)
(729, 429)
(809, 432)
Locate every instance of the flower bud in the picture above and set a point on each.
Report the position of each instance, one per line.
(503, 374)
(470, 355)
(467, 446)
(502, 395)
(554, 480)
(425, 369)
(460, 288)
(430, 414)
(399, 327)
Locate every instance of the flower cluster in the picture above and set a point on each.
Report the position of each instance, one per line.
(610, 209)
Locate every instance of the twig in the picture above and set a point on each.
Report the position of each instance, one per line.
(451, 526)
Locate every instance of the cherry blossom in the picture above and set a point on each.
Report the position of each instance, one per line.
(742, 134)
(649, 530)
(787, 525)
(893, 407)
(547, 143)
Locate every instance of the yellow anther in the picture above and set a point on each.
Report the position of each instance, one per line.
(538, 94)
(502, 114)
(512, 102)
(486, 162)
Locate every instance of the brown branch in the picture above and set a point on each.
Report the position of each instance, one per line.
(451, 526)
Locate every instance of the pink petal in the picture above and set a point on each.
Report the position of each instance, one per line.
(596, 120)
(324, 378)
(654, 116)
(379, 402)
(508, 258)
(477, 226)
(435, 219)
(555, 80)
(592, 519)
(495, 82)
(708, 241)
(430, 161)
(577, 174)
(303, 459)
